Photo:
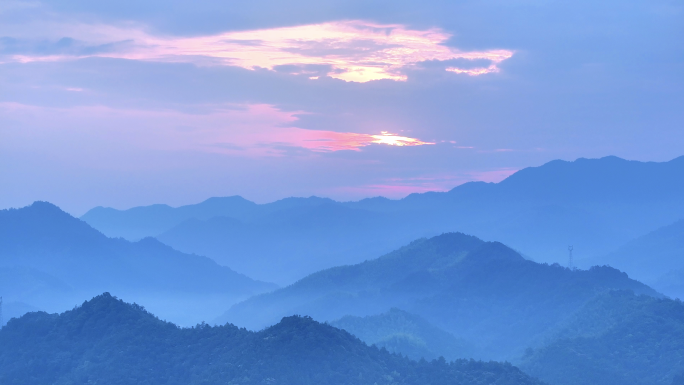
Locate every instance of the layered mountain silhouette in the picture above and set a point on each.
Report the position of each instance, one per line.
(279, 242)
(596, 205)
(113, 342)
(51, 260)
(483, 292)
(289, 244)
(617, 338)
(145, 221)
(656, 258)
(407, 334)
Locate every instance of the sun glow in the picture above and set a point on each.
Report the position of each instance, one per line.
(396, 140)
(253, 130)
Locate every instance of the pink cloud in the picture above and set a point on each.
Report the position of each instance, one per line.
(353, 50)
(247, 130)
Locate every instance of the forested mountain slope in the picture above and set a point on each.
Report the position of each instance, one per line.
(108, 341)
(52, 260)
(618, 338)
(483, 292)
(408, 334)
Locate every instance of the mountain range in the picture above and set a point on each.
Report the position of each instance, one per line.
(596, 205)
(404, 333)
(482, 292)
(113, 342)
(656, 258)
(51, 260)
(616, 338)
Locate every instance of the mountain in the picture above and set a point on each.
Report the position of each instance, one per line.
(29, 284)
(300, 240)
(596, 205)
(50, 259)
(617, 338)
(303, 235)
(108, 341)
(671, 284)
(483, 292)
(147, 221)
(656, 258)
(14, 310)
(408, 334)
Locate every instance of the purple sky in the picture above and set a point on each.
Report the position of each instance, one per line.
(126, 103)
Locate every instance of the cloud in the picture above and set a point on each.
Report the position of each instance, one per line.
(244, 130)
(357, 51)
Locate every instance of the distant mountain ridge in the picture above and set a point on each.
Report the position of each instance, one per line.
(456, 282)
(117, 343)
(147, 221)
(656, 258)
(290, 243)
(594, 204)
(52, 259)
(617, 338)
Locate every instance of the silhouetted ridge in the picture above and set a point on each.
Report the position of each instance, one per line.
(107, 311)
(654, 258)
(43, 224)
(112, 342)
(483, 292)
(65, 260)
(580, 180)
(596, 205)
(494, 252)
(301, 331)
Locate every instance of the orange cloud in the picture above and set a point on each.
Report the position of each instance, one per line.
(355, 50)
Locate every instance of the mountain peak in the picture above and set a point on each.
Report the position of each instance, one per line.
(41, 221)
(106, 310)
(44, 205)
(494, 251)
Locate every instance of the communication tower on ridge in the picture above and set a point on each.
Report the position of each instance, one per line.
(0, 312)
(570, 265)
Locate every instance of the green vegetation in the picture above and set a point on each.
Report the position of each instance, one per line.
(107, 341)
(483, 292)
(405, 333)
(618, 338)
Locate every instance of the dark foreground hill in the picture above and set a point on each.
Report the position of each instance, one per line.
(483, 292)
(594, 204)
(52, 260)
(618, 338)
(108, 341)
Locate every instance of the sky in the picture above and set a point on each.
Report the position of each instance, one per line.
(131, 103)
